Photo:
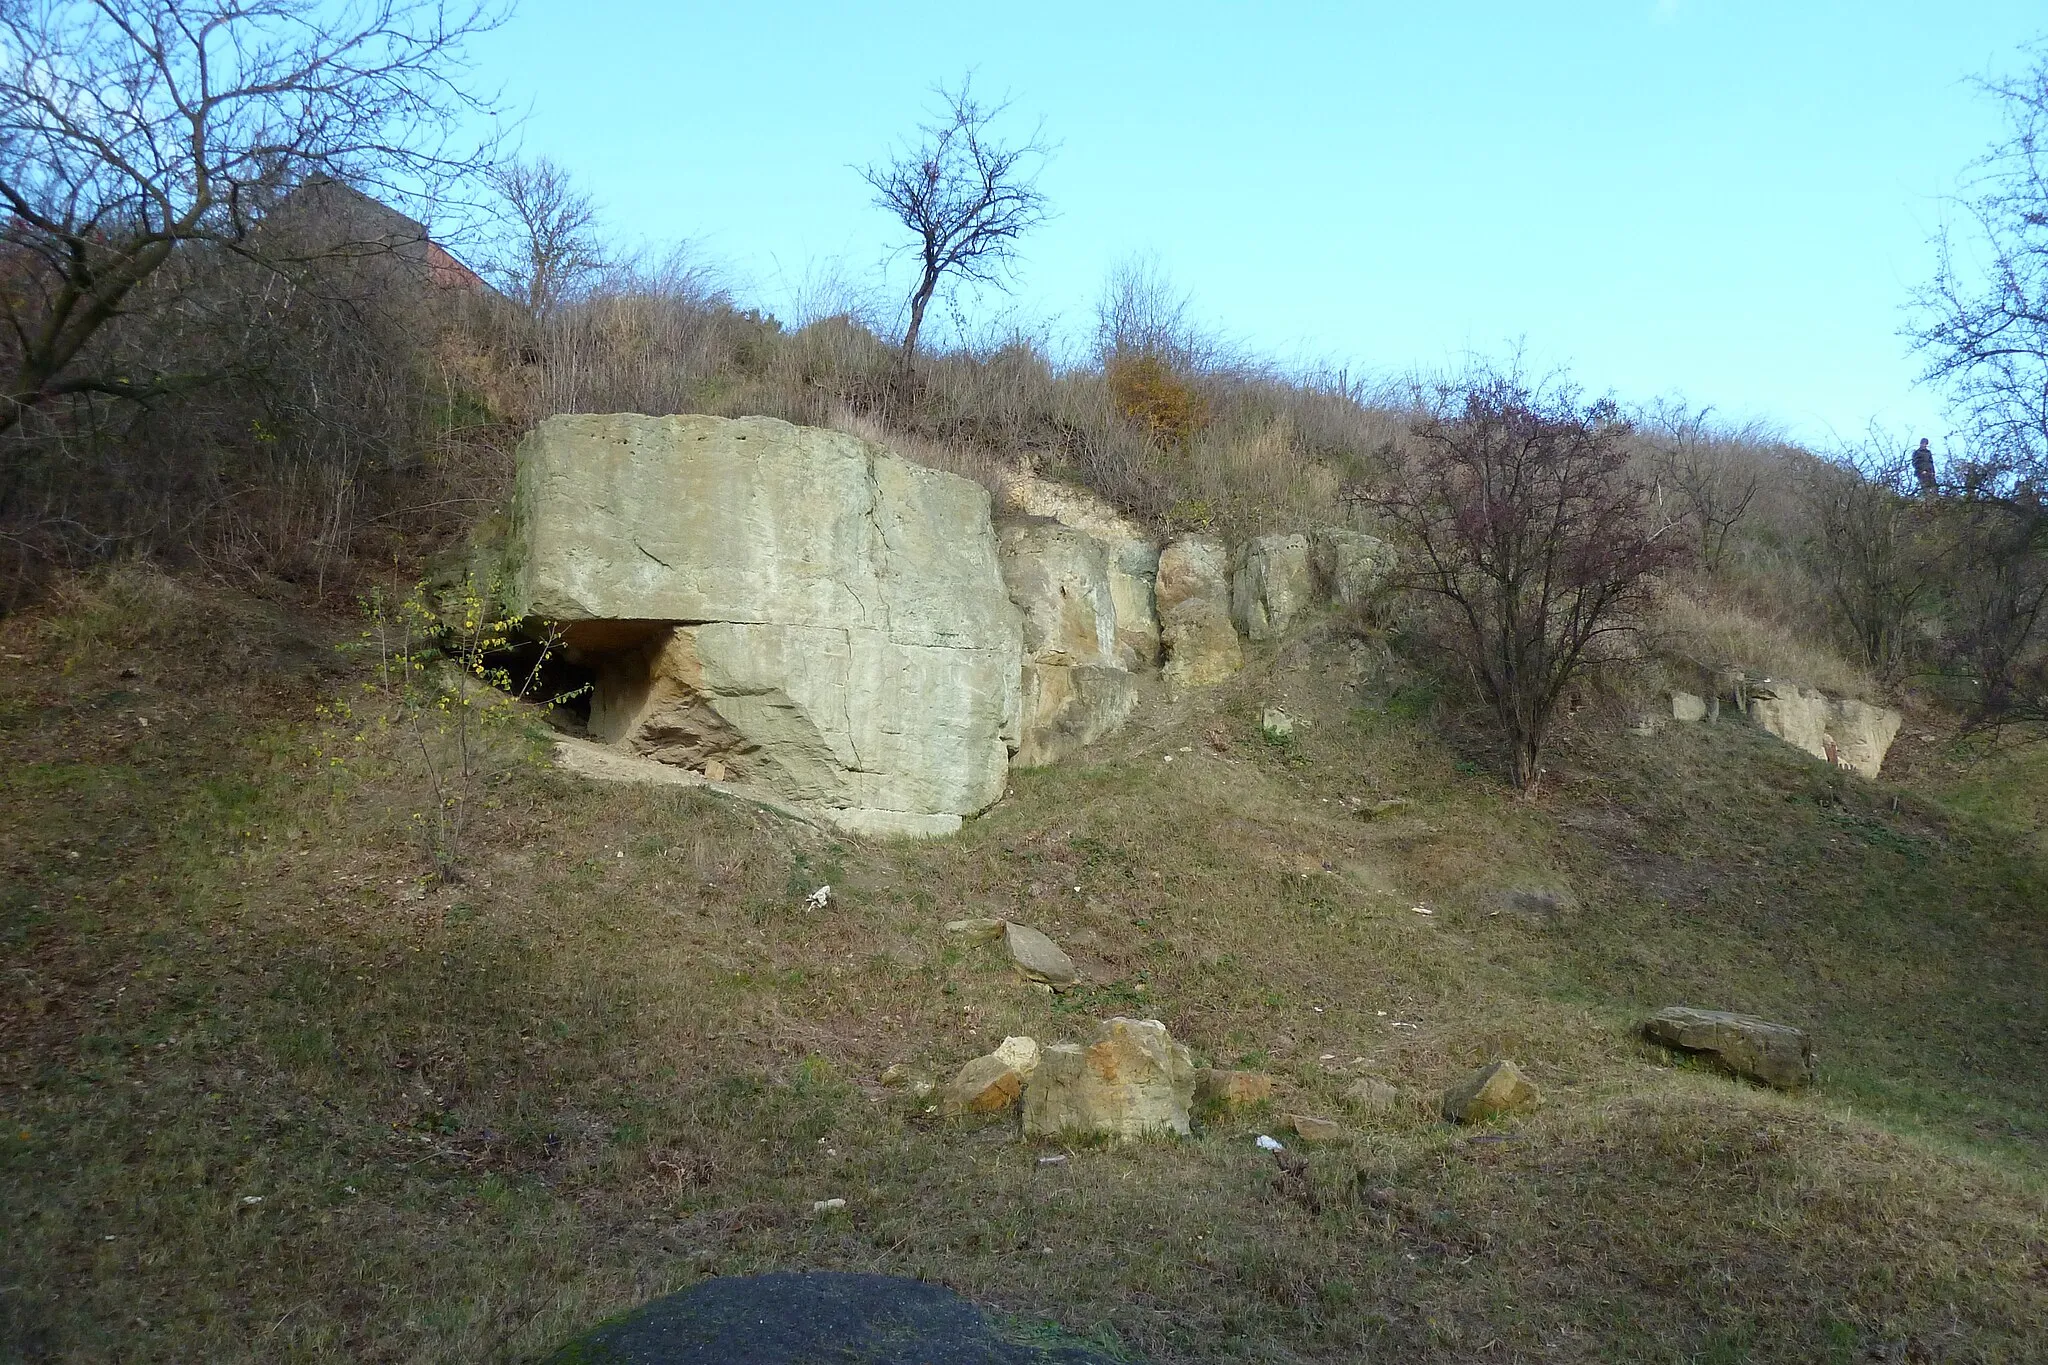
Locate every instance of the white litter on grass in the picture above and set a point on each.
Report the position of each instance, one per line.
(252, 1199)
(1423, 910)
(820, 898)
(1052, 1160)
(1402, 1023)
(1269, 1144)
(828, 1206)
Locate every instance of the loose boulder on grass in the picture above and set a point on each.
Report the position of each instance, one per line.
(986, 1085)
(1232, 1089)
(1132, 1080)
(1491, 1091)
(1311, 1129)
(1775, 1054)
(1037, 956)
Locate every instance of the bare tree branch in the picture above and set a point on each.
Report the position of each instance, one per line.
(133, 129)
(965, 198)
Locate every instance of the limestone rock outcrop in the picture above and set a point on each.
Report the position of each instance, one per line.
(818, 615)
(1075, 689)
(1131, 556)
(1776, 1054)
(1351, 568)
(1270, 584)
(1192, 590)
(1849, 734)
(1132, 1080)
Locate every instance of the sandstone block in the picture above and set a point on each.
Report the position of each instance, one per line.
(1020, 1053)
(1776, 1054)
(1233, 1089)
(1373, 1095)
(1133, 1080)
(1493, 1090)
(1037, 956)
(1066, 709)
(1685, 706)
(986, 1085)
(1270, 585)
(1310, 1129)
(1200, 644)
(1350, 568)
(1190, 568)
(1131, 556)
(1849, 734)
(808, 610)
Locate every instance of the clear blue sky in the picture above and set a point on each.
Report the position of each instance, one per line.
(1725, 200)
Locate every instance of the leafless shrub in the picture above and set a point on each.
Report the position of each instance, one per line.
(134, 130)
(552, 250)
(1871, 554)
(1521, 515)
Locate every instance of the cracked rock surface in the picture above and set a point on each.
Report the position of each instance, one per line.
(809, 610)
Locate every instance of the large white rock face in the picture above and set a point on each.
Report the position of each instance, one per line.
(816, 613)
(1850, 734)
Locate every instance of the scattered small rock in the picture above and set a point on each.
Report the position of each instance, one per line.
(1232, 1088)
(1269, 1144)
(1373, 1094)
(828, 1205)
(1380, 810)
(1310, 1129)
(1037, 956)
(714, 771)
(1493, 1090)
(1276, 725)
(895, 1074)
(1020, 1053)
(975, 928)
(820, 898)
(1775, 1054)
(1686, 707)
(986, 1085)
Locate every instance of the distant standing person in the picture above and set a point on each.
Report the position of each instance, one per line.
(1923, 469)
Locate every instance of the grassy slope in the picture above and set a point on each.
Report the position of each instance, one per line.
(622, 1056)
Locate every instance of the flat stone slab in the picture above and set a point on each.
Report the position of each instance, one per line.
(808, 1318)
(1776, 1054)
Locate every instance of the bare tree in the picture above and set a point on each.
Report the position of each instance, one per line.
(964, 197)
(1982, 324)
(133, 129)
(555, 249)
(1871, 553)
(1703, 475)
(1521, 514)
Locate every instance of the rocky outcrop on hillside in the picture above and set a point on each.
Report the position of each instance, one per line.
(1076, 688)
(810, 611)
(1849, 734)
(805, 614)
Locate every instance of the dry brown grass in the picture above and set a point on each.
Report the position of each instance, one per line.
(622, 1055)
(1716, 635)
